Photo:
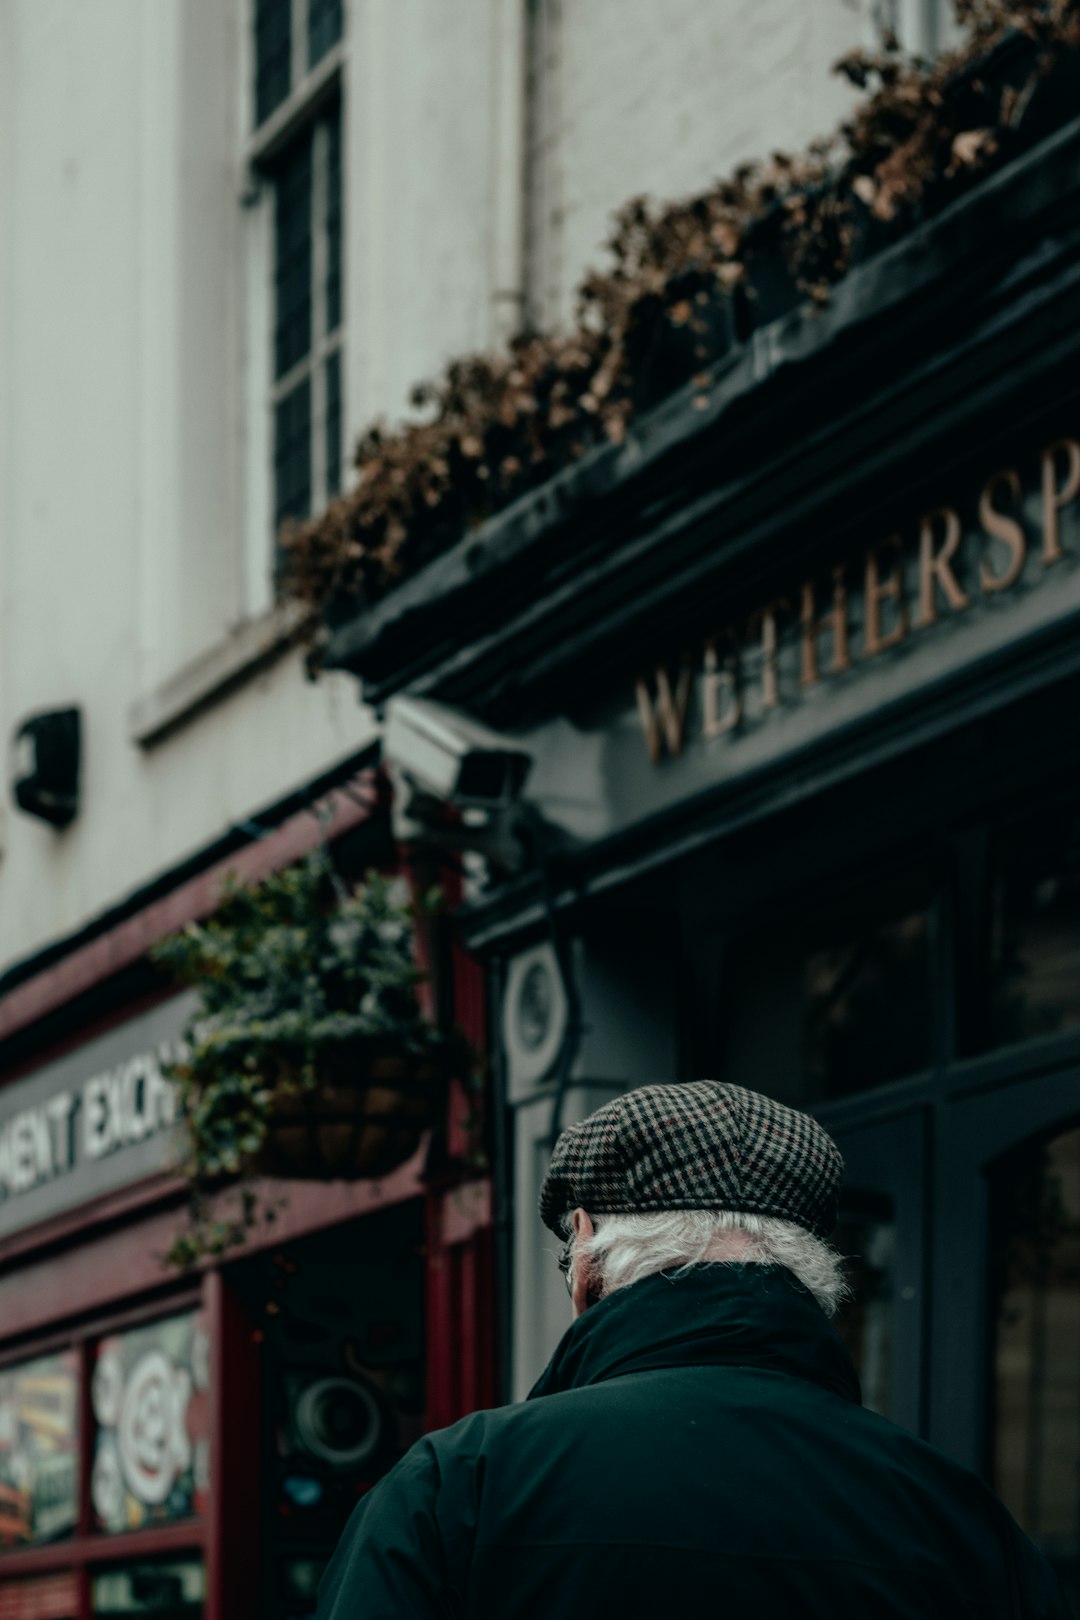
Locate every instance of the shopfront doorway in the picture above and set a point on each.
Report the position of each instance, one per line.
(906, 964)
(961, 1216)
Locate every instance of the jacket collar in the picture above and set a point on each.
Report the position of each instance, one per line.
(713, 1315)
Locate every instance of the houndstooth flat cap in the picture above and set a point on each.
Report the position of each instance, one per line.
(702, 1145)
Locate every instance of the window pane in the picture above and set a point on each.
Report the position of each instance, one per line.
(333, 423)
(822, 1006)
(1035, 935)
(292, 454)
(333, 221)
(292, 257)
(1035, 1288)
(866, 1322)
(39, 1442)
(273, 55)
(150, 1397)
(42, 1597)
(867, 999)
(171, 1591)
(324, 28)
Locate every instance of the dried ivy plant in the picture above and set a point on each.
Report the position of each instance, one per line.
(496, 426)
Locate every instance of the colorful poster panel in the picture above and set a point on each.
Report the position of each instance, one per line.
(151, 1404)
(39, 1450)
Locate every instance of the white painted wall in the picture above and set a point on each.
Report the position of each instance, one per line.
(643, 98)
(122, 502)
(134, 314)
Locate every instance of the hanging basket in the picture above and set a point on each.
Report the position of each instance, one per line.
(372, 1105)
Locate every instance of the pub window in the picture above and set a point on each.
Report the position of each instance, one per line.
(1035, 928)
(866, 1235)
(39, 1446)
(103, 1436)
(835, 998)
(297, 150)
(1034, 1418)
(149, 1393)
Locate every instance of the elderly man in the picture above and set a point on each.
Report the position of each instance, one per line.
(696, 1445)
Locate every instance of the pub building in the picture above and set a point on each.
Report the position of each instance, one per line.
(189, 1444)
(798, 667)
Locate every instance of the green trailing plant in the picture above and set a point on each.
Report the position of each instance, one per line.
(293, 974)
(495, 426)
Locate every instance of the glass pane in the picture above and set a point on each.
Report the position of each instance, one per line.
(333, 221)
(292, 256)
(150, 1396)
(39, 1442)
(323, 27)
(171, 1591)
(867, 999)
(292, 454)
(273, 55)
(1035, 937)
(343, 1385)
(43, 1597)
(866, 1322)
(1035, 1373)
(333, 423)
(822, 1006)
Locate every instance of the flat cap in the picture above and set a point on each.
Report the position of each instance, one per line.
(702, 1145)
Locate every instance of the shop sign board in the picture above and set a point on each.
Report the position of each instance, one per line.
(936, 603)
(995, 542)
(100, 1117)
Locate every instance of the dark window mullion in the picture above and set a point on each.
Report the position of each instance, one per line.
(318, 281)
(333, 423)
(293, 255)
(292, 454)
(333, 218)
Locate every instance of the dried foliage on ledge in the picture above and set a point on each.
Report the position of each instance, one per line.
(688, 281)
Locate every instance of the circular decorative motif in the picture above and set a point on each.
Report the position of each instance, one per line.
(107, 1486)
(107, 1389)
(535, 1015)
(154, 1444)
(338, 1421)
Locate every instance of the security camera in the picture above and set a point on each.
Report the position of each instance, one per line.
(456, 783)
(448, 756)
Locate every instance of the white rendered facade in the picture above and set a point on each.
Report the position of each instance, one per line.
(485, 144)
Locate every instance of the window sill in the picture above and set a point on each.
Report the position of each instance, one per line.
(241, 654)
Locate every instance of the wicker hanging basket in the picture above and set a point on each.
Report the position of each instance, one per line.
(367, 1115)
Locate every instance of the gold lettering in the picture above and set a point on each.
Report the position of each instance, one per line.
(721, 685)
(671, 708)
(1053, 498)
(1004, 528)
(770, 685)
(878, 591)
(812, 627)
(934, 566)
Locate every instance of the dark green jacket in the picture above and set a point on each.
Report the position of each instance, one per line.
(695, 1447)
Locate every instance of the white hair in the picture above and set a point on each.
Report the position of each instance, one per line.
(625, 1248)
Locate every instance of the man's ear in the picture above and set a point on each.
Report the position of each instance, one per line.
(585, 1290)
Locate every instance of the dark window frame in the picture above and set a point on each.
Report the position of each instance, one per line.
(300, 145)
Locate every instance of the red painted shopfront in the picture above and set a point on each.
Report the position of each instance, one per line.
(190, 1445)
